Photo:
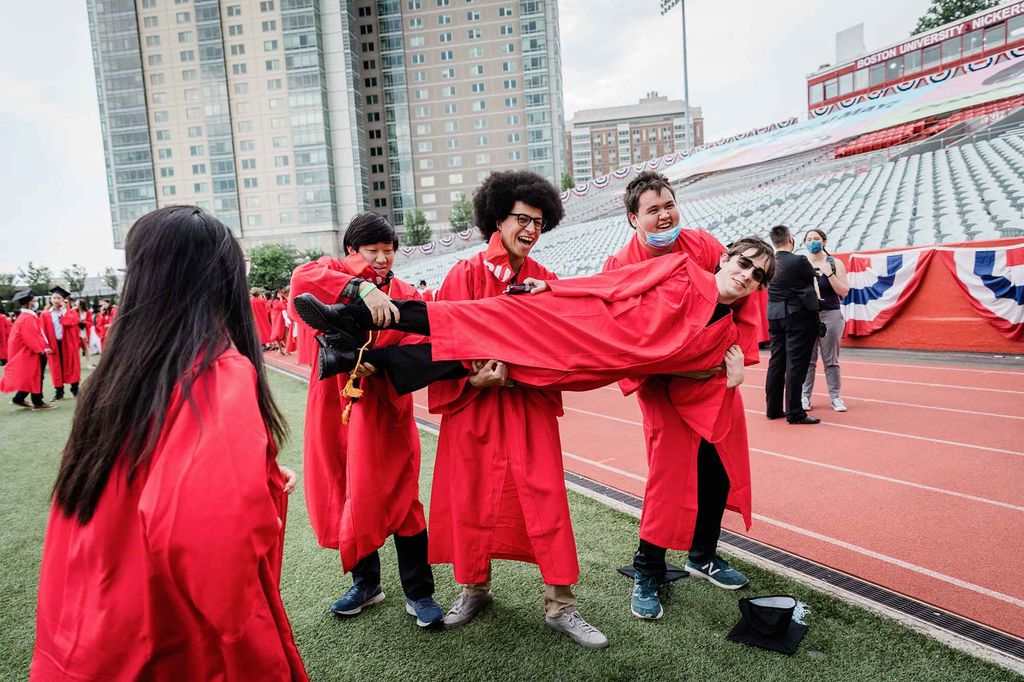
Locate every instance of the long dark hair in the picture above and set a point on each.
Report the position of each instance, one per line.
(184, 303)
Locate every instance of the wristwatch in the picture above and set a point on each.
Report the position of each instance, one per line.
(351, 290)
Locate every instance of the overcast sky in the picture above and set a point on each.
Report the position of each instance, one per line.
(748, 61)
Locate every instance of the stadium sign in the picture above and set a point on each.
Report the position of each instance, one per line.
(970, 24)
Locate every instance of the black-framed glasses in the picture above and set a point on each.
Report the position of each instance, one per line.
(757, 273)
(524, 220)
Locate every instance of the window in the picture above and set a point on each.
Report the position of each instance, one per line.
(157, 79)
(235, 30)
(426, 164)
(510, 84)
(515, 155)
(164, 154)
(415, 4)
(286, 218)
(417, 41)
(269, 45)
(473, 34)
(1015, 28)
(932, 56)
(479, 123)
(480, 105)
(455, 162)
(239, 69)
(447, 74)
(269, 26)
(170, 191)
(267, 6)
(453, 143)
(377, 168)
(972, 42)
(249, 164)
(423, 129)
(950, 50)
(416, 22)
(234, 10)
(380, 202)
(508, 67)
(148, 4)
(455, 179)
(183, 17)
(504, 11)
(876, 76)
(199, 188)
(447, 55)
(995, 36)
(275, 84)
(246, 145)
(477, 87)
(252, 202)
(198, 168)
(195, 131)
(451, 126)
(160, 116)
(446, 37)
(506, 30)
(379, 186)
(508, 48)
(155, 59)
(374, 134)
(444, 3)
(372, 116)
(483, 159)
(419, 58)
(481, 141)
(422, 93)
(513, 138)
(476, 52)
(444, 19)
(425, 147)
(367, 47)
(150, 22)
(429, 198)
(451, 108)
(512, 119)
(427, 181)
(912, 62)
(185, 37)
(511, 102)
(448, 91)
(280, 142)
(275, 65)
(166, 172)
(420, 112)
(237, 50)
(283, 180)
(241, 88)
(251, 183)
(894, 69)
(152, 41)
(253, 220)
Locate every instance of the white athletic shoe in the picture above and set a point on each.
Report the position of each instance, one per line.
(805, 403)
(838, 405)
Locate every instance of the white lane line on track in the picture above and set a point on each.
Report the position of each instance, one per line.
(912, 383)
(940, 441)
(943, 368)
(914, 405)
(835, 467)
(921, 570)
(889, 479)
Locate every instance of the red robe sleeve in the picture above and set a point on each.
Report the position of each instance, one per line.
(625, 282)
(31, 333)
(207, 511)
(446, 397)
(70, 320)
(319, 278)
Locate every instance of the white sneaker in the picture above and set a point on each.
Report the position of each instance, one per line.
(805, 403)
(838, 405)
(582, 632)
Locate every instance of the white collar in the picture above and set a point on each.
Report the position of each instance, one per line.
(30, 312)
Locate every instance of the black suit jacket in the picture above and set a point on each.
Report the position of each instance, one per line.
(792, 287)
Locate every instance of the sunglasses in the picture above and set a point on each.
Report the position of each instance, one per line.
(524, 220)
(757, 273)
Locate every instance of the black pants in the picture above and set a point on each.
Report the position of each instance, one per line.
(410, 368)
(37, 398)
(712, 492)
(413, 568)
(792, 340)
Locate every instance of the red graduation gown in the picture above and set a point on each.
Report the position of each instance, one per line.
(103, 321)
(176, 576)
(679, 412)
(361, 480)
(277, 330)
(499, 487)
(261, 313)
(24, 344)
(5, 332)
(66, 365)
(642, 319)
(83, 339)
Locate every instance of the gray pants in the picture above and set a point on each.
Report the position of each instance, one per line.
(829, 349)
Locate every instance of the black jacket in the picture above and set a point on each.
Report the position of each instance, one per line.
(792, 287)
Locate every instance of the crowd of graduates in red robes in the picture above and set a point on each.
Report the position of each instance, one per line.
(181, 572)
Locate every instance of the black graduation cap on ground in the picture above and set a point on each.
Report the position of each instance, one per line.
(22, 295)
(672, 572)
(61, 290)
(767, 622)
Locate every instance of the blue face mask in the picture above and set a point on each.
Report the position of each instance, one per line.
(661, 240)
(814, 246)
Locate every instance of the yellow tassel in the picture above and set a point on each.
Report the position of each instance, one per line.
(350, 391)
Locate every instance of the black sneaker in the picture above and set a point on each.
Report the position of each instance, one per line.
(21, 403)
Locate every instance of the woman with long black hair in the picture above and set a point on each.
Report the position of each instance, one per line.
(163, 549)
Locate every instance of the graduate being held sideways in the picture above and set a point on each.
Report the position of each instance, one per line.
(641, 319)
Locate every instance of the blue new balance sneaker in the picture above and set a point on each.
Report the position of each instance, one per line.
(645, 602)
(719, 572)
(357, 599)
(426, 610)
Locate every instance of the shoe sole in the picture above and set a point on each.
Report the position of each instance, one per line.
(311, 313)
(586, 645)
(375, 599)
(412, 612)
(701, 574)
(642, 617)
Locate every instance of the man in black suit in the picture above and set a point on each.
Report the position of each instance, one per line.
(793, 328)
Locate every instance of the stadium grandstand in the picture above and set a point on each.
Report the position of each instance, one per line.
(935, 158)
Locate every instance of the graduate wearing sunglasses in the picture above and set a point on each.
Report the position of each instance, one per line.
(697, 455)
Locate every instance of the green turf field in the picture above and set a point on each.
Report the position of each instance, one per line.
(510, 642)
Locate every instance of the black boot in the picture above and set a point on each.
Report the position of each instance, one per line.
(336, 355)
(337, 317)
(59, 395)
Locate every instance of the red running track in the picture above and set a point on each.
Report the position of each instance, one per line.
(918, 488)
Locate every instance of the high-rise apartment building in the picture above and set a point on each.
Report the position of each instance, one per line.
(286, 117)
(600, 140)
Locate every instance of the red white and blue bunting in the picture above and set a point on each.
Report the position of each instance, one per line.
(880, 284)
(993, 281)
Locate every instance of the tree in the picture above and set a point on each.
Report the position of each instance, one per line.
(944, 11)
(38, 277)
(417, 231)
(461, 218)
(7, 287)
(567, 181)
(75, 277)
(310, 255)
(271, 265)
(110, 278)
